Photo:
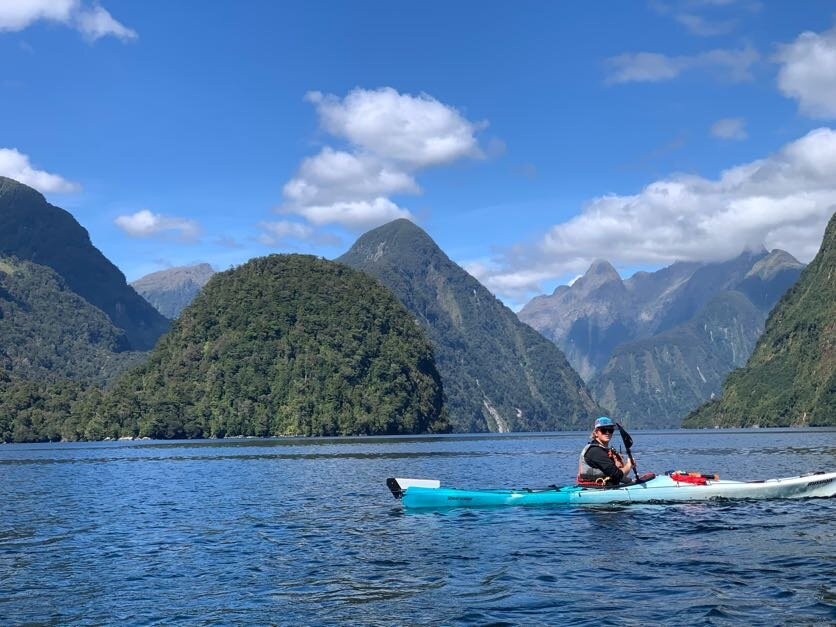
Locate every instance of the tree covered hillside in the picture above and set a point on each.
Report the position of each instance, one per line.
(790, 378)
(283, 345)
(34, 230)
(49, 333)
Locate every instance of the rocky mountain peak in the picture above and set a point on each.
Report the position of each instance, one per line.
(773, 263)
(599, 273)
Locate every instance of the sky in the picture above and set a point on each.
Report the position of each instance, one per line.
(527, 138)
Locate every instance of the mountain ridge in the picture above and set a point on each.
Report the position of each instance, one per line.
(498, 374)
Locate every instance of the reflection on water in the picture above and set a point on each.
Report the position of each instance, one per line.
(304, 531)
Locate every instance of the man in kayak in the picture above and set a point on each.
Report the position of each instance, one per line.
(599, 465)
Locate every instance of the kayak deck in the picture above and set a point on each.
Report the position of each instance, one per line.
(428, 494)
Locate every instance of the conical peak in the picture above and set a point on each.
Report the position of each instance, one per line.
(400, 238)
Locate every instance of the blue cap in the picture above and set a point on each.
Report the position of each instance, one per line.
(603, 421)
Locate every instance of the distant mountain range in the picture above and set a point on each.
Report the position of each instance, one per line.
(498, 374)
(656, 345)
(171, 290)
(790, 379)
(33, 230)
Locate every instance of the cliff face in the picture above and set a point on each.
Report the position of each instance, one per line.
(653, 347)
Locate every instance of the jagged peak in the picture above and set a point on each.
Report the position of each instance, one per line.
(599, 273)
(772, 263)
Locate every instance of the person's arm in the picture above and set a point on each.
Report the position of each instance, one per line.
(598, 458)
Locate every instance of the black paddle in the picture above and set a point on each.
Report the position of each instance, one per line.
(628, 442)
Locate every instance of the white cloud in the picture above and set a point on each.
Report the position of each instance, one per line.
(97, 23)
(781, 201)
(144, 223)
(16, 15)
(334, 175)
(730, 65)
(729, 128)
(808, 72)
(15, 165)
(415, 130)
(355, 214)
(94, 23)
(391, 138)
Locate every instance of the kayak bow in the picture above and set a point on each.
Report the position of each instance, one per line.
(428, 493)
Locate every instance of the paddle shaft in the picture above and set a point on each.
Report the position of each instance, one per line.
(628, 442)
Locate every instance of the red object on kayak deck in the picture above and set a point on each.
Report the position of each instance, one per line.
(692, 477)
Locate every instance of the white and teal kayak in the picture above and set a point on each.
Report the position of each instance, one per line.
(428, 493)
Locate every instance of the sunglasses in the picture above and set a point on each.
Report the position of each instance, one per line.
(609, 430)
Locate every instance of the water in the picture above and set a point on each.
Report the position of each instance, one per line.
(305, 532)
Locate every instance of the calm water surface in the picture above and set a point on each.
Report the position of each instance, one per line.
(305, 532)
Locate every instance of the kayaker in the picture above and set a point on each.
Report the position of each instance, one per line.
(598, 463)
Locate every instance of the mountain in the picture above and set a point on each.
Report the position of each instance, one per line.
(498, 374)
(49, 333)
(658, 344)
(654, 382)
(790, 379)
(599, 311)
(32, 229)
(282, 345)
(171, 290)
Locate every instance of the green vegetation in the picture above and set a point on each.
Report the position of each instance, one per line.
(49, 333)
(790, 379)
(283, 345)
(498, 374)
(33, 230)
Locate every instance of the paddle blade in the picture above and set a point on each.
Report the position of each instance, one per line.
(625, 437)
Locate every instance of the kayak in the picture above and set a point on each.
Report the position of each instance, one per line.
(428, 493)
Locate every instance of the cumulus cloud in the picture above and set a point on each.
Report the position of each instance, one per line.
(781, 201)
(390, 137)
(16, 165)
(415, 130)
(730, 65)
(808, 72)
(94, 23)
(729, 128)
(145, 223)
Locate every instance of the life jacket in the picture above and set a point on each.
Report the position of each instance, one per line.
(589, 475)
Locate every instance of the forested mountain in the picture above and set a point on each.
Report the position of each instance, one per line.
(790, 379)
(283, 345)
(171, 290)
(49, 333)
(498, 374)
(32, 229)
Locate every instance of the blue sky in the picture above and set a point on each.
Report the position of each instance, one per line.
(527, 138)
